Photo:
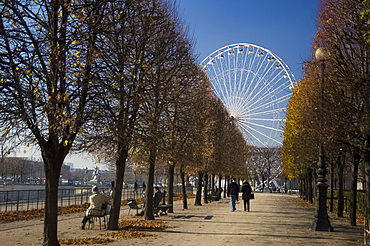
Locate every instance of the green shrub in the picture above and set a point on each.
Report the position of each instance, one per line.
(361, 200)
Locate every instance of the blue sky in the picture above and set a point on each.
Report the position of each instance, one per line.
(285, 27)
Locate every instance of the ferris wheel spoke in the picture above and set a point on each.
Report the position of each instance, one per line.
(254, 84)
(265, 127)
(265, 105)
(218, 82)
(266, 112)
(272, 81)
(270, 103)
(260, 119)
(262, 134)
(250, 133)
(264, 91)
(242, 70)
(275, 91)
(251, 61)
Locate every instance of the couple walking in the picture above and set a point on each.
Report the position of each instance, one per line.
(234, 193)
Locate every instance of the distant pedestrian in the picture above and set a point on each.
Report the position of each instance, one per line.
(246, 194)
(234, 192)
(111, 188)
(136, 186)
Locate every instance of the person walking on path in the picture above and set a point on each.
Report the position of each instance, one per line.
(246, 194)
(234, 192)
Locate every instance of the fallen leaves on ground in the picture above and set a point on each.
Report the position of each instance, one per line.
(360, 218)
(128, 234)
(84, 241)
(128, 229)
(39, 213)
(142, 224)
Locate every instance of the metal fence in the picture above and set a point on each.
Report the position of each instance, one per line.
(17, 200)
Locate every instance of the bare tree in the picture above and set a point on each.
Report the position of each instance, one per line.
(47, 70)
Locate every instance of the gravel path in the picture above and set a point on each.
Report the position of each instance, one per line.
(274, 219)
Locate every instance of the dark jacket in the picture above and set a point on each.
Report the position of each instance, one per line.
(234, 188)
(246, 191)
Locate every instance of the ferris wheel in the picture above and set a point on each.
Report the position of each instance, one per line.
(254, 84)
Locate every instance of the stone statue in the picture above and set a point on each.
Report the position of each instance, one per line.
(95, 174)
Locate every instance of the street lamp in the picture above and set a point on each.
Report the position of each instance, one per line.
(321, 221)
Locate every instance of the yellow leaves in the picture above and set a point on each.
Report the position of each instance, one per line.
(74, 42)
(329, 20)
(8, 151)
(65, 143)
(24, 151)
(5, 132)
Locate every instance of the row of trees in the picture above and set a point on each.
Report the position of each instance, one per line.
(264, 164)
(117, 79)
(331, 106)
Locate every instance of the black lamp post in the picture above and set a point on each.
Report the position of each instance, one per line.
(321, 221)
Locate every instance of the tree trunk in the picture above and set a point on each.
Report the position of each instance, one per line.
(148, 213)
(367, 173)
(340, 186)
(52, 171)
(225, 186)
(212, 187)
(331, 186)
(198, 198)
(310, 188)
(170, 185)
(219, 186)
(183, 187)
(205, 188)
(117, 189)
(353, 204)
(307, 186)
(367, 176)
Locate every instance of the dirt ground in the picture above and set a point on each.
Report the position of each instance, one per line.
(274, 219)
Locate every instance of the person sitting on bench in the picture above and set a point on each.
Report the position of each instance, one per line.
(96, 201)
(158, 195)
